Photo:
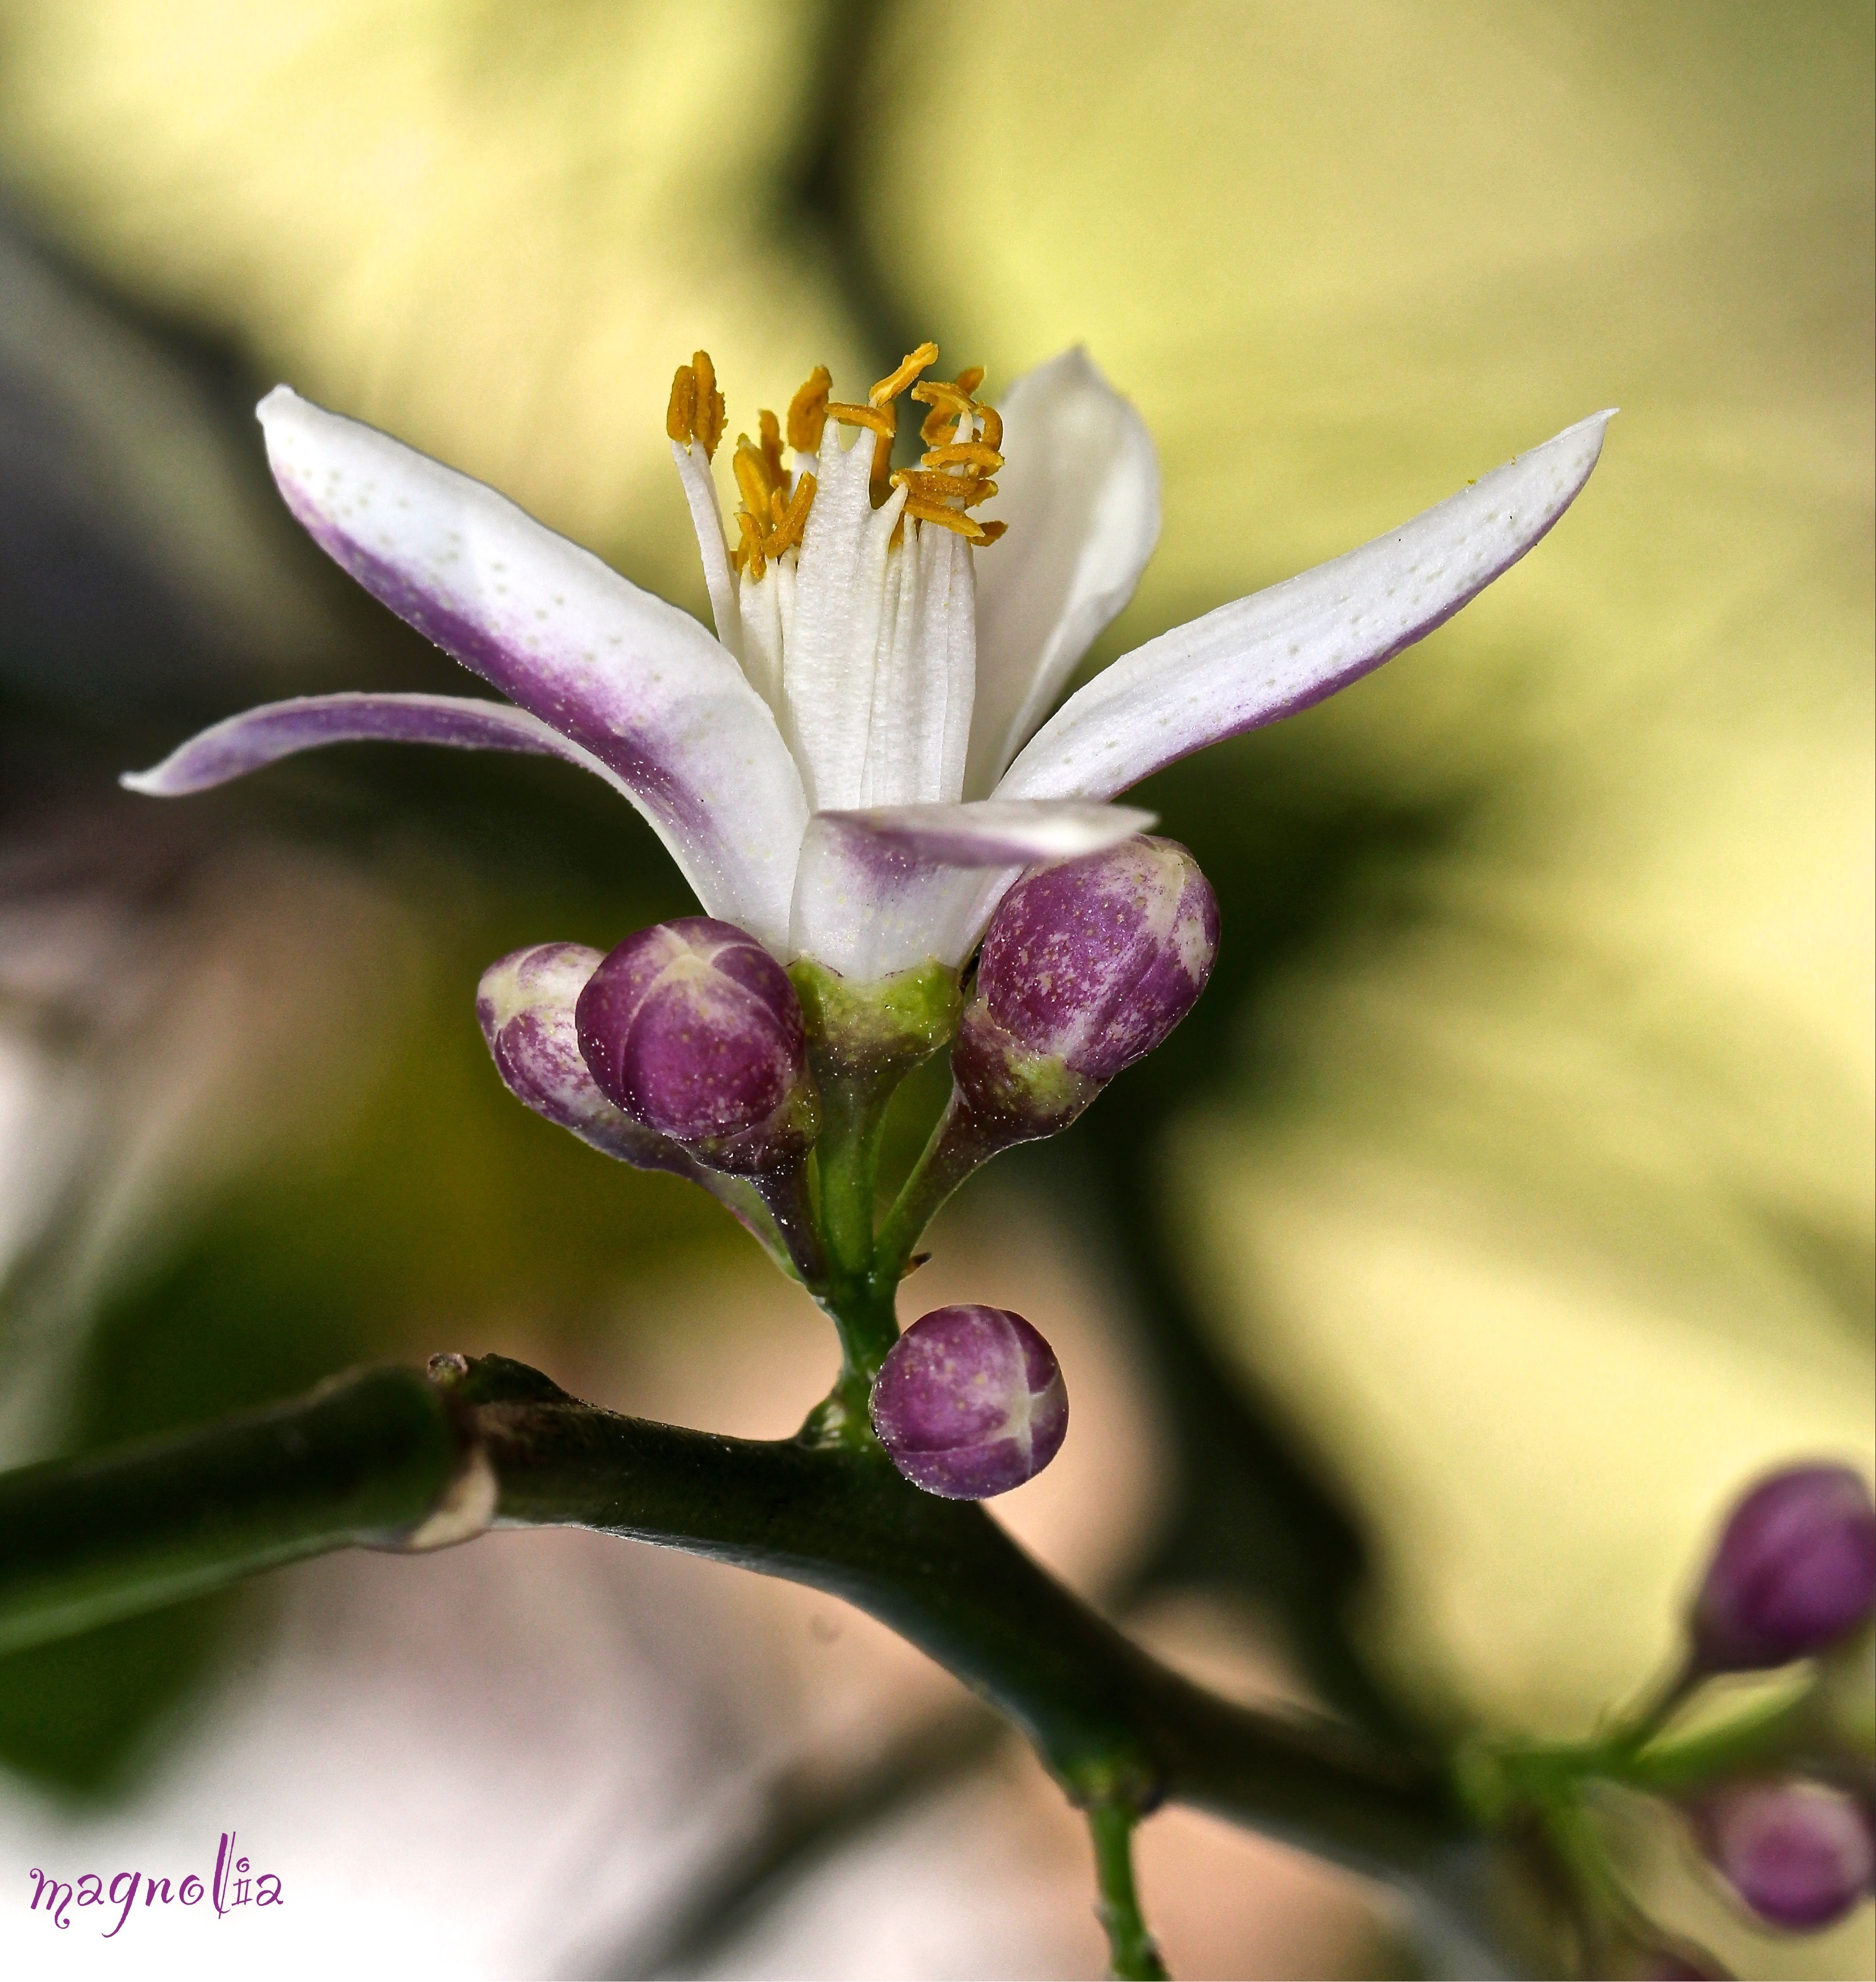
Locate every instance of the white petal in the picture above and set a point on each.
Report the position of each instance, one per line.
(706, 519)
(828, 654)
(1266, 656)
(924, 672)
(1080, 488)
(880, 891)
(637, 683)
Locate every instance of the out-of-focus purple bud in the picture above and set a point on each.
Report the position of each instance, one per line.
(1087, 967)
(970, 1402)
(525, 1004)
(1794, 1571)
(692, 1029)
(1799, 1854)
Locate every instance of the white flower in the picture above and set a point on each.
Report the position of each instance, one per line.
(856, 767)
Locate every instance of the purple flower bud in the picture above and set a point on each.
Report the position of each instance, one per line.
(1087, 966)
(1097, 960)
(1794, 1571)
(970, 1402)
(1799, 1854)
(693, 1029)
(525, 1004)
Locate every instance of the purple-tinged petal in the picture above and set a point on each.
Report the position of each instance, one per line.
(1080, 488)
(1265, 657)
(635, 681)
(259, 736)
(883, 891)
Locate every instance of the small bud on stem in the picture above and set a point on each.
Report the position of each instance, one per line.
(1793, 1572)
(1087, 967)
(1799, 1854)
(692, 1029)
(970, 1402)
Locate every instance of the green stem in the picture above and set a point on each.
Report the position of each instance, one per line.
(1112, 1724)
(1131, 1950)
(847, 1155)
(961, 1142)
(863, 1306)
(374, 1456)
(368, 1458)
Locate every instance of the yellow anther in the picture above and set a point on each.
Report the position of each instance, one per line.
(951, 519)
(771, 433)
(681, 416)
(752, 473)
(943, 487)
(951, 402)
(748, 555)
(791, 520)
(961, 453)
(695, 411)
(862, 416)
(708, 420)
(908, 368)
(992, 531)
(807, 412)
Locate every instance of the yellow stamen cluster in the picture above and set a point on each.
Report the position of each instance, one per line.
(696, 409)
(955, 471)
(952, 476)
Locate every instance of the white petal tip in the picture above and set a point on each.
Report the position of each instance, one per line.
(280, 400)
(149, 783)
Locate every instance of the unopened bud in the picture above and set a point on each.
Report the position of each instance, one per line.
(693, 1029)
(970, 1402)
(1087, 967)
(525, 1004)
(1794, 1571)
(1799, 1854)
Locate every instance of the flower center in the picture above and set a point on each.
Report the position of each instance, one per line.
(855, 612)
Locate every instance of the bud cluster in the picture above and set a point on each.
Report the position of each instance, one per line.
(1792, 1575)
(689, 1047)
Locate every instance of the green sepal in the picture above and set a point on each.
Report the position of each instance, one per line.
(881, 1028)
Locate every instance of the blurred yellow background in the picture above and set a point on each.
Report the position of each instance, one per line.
(1537, 1190)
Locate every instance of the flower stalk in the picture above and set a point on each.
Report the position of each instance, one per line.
(1132, 1955)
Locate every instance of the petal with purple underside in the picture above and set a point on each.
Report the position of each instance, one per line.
(1080, 488)
(880, 892)
(260, 736)
(635, 681)
(1266, 656)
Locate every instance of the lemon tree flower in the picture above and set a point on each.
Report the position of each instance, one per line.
(862, 760)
